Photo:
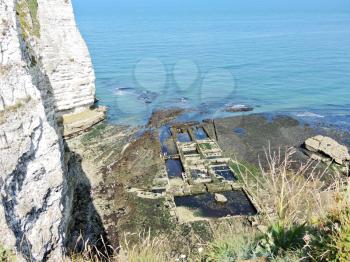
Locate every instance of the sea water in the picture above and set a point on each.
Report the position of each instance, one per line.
(294, 62)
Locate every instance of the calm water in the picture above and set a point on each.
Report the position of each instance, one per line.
(289, 62)
(206, 206)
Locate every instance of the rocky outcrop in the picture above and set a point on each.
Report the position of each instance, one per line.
(45, 71)
(65, 57)
(327, 149)
(79, 122)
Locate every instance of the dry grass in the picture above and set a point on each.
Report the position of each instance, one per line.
(289, 196)
(12, 109)
(4, 69)
(146, 249)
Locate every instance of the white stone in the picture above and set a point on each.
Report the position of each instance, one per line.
(220, 198)
(327, 149)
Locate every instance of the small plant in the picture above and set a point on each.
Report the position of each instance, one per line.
(280, 239)
(231, 243)
(294, 202)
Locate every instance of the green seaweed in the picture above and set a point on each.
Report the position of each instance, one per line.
(206, 146)
(147, 214)
(96, 132)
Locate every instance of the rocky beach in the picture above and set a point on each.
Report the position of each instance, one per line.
(120, 162)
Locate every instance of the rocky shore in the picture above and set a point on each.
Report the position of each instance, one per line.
(117, 159)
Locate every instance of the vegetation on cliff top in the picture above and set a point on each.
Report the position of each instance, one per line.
(27, 11)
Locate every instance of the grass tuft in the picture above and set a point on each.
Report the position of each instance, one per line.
(231, 243)
(12, 109)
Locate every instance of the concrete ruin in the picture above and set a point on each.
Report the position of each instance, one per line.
(197, 168)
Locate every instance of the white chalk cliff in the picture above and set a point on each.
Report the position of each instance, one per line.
(45, 71)
(65, 56)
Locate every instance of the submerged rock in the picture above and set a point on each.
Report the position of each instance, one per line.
(164, 116)
(147, 96)
(220, 198)
(239, 108)
(327, 149)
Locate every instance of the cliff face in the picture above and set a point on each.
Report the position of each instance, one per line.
(65, 57)
(45, 71)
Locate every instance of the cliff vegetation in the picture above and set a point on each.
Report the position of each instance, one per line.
(27, 11)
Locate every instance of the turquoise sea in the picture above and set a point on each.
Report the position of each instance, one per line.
(292, 62)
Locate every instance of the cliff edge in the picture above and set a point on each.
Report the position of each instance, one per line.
(45, 72)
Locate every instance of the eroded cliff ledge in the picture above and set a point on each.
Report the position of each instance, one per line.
(45, 72)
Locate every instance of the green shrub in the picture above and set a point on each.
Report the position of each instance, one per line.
(231, 243)
(331, 242)
(281, 239)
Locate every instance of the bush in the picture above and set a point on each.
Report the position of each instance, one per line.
(281, 240)
(331, 240)
(231, 243)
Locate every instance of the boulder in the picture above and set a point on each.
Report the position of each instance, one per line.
(327, 149)
(220, 198)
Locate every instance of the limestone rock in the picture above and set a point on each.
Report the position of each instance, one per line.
(327, 149)
(65, 57)
(220, 198)
(45, 70)
(79, 122)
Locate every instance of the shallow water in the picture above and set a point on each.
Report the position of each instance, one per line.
(174, 168)
(183, 137)
(200, 133)
(206, 206)
(225, 172)
(285, 62)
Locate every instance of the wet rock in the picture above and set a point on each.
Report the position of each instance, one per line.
(164, 116)
(147, 96)
(327, 149)
(239, 108)
(220, 198)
